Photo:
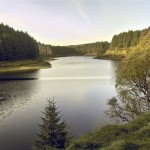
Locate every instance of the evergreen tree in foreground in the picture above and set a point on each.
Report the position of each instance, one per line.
(53, 134)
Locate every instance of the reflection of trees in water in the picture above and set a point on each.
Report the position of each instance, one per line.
(20, 74)
(15, 94)
(3, 98)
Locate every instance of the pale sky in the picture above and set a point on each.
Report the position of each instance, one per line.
(68, 22)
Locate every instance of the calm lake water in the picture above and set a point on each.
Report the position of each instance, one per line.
(81, 86)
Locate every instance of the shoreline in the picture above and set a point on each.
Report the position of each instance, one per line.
(108, 58)
(23, 65)
(29, 65)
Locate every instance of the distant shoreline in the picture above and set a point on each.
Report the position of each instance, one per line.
(108, 58)
(28, 65)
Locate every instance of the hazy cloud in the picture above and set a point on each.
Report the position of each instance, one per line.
(81, 11)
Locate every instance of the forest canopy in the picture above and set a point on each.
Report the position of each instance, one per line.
(16, 45)
(97, 48)
(125, 42)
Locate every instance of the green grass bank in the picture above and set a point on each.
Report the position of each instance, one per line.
(134, 135)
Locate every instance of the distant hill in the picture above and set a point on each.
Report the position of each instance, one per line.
(16, 45)
(120, 45)
(52, 51)
(96, 48)
(64, 51)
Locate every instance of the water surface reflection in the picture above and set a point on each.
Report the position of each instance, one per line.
(81, 86)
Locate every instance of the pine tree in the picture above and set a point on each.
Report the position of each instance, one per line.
(53, 134)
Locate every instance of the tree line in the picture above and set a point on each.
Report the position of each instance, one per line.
(120, 45)
(63, 51)
(16, 45)
(127, 39)
(97, 48)
(125, 42)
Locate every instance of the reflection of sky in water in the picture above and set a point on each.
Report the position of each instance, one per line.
(77, 78)
(80, 85)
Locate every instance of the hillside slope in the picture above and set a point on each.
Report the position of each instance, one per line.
(125, 42)
(97, 48)
(131, 136)
(16, 45)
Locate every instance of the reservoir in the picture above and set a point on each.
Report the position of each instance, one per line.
(80, 85)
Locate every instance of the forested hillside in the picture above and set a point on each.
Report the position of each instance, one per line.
(125, 39)
(120, 45)
(16, 45)
(124, 42)
(97, 48)
(63, 51)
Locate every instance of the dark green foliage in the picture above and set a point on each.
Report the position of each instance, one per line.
(126, 42)
(87, 146)
(144, 32)
(97, 48)
(63, 51)
(53, 132)
(15, 45)
(130, 146)
(125, 39)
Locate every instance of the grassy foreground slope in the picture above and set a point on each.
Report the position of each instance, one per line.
(134, 135)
